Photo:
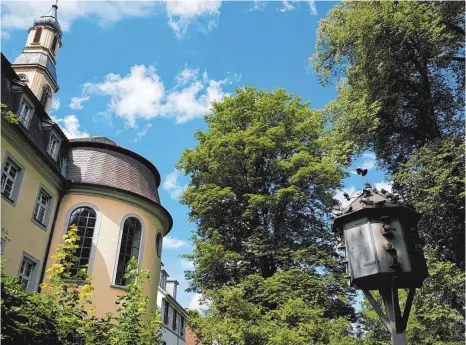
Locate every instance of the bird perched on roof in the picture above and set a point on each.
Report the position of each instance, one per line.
(361, 171)
(347, 197)
(367, 185)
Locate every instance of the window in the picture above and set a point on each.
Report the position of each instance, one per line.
(181, 325)
(37, 35)
(85, 219)
(27, 272)
(129, 247)
(23, 78)
(41, 209)
(163, 280)
(54, 146)
(10, 178)
(175, 316)
(54, 44)
(25, 113)
(46, 95)
(165, 313)
(158, 244)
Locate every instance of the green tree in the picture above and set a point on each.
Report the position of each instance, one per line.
(261, 189)
(8, 115)
(400, 72)
(437, 315)
(63, 314)
(261, 193)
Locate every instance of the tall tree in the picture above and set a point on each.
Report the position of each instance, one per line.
(400, 67)
(400, 71)
(261, 189)
(261, 192)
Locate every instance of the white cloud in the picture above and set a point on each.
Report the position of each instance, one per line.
(172, 186)
(77, 102)
(312, 6)
(70, 126)
(286, 6)
(21, 14)
(369, 155)
(55, 104)
(171, 242)
(187, 265)
(368, 165)
(182, 13)
(142, 95)
(258, 6)
(351, 190)
(141, 134)
(385, 185)
(196, 303)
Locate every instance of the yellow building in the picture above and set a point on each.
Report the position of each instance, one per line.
(50, 182)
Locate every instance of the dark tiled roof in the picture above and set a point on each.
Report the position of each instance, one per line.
(98, 139)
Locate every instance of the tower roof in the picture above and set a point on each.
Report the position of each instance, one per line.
(50, 19)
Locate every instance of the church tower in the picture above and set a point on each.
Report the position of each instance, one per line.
(36, 66)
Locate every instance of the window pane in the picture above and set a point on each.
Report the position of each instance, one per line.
(129, 247)
(80, 217)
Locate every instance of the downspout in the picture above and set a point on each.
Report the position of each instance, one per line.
(52, 229)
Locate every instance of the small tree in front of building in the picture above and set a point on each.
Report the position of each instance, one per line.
(63, 312)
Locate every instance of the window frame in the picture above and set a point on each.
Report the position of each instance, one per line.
(54, 154)
(95, 235)
(13, 198)
(163, 281)
(48, 210)
(37, 35)
(45, 96)
(159, 244)
(174, 319)
(182, 325)
(32, 281)
(120, 236)
(54, 44)
(25, 121)
(166, 313)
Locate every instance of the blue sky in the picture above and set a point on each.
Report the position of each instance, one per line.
(144, 74)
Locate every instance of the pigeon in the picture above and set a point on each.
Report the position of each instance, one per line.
(347, 197)
(361, 171)
(367, 185)
(383, 191)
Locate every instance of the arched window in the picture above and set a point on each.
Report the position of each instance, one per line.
(46, 94)
(158, 244)
(54, 44)
(85, 219)
(130, 245)
(37, 35)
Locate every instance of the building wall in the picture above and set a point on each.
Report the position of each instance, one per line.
(106, 238)
(23, 232)
(37, 79)
(170, 336)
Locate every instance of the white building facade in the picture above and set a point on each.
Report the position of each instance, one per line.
(173, 314)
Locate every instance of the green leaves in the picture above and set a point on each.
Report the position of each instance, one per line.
(60, 314)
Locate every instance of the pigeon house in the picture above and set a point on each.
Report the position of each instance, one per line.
(380, 242)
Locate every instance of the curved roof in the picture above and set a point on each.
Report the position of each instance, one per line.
(104, 142)
(50, 19)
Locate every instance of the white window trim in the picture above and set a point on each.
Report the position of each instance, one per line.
(159, 252)
(18, 181)
(48, 211)
(54, 154)
(29, 115)
(141, 246)
(165, 304)
(32, 285)
(95, 236)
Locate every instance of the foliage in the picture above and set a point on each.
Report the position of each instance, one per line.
(433, 181)
(291, 307)
(8, 115)
(261, 192)
(400, 72)
(62, 314)
(261, 189)
(437, 315)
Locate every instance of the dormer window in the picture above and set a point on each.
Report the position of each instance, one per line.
(163, 280)
(37, 35)
(54, 147)
(25, 112)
